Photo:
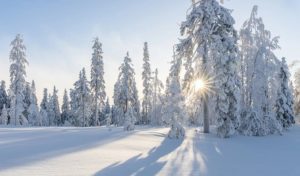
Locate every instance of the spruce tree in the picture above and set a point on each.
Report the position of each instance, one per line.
(126, 96)
(156, 100)
(174, 112)
(27, 100)
(258, 75)
(97, 80)
(107, 108)
(54, 111)
(4, 116)
(83, 100)
(3, 96)
(44, 108)
(284, 103)
(73, 108)
(147, 89)
(18, 82)
(34, 117)
(65, 110)
(210, 42)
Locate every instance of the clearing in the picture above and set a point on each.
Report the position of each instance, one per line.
(146, 151)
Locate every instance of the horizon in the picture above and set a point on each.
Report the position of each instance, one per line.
(59, 45)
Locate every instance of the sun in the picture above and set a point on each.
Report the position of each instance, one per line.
(199, 84)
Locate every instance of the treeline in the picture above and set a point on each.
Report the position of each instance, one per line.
(231, 79)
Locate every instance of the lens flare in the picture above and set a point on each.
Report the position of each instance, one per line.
(199, 84)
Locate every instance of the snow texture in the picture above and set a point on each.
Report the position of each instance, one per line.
(97, 151)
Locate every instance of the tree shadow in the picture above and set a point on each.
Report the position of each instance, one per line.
(52, 143)
(141, 166)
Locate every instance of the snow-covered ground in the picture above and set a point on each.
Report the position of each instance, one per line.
(145, 151)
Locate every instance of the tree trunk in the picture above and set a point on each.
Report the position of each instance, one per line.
(205, 99)
(205, 114)
(97, 111)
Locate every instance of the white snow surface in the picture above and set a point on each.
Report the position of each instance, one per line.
(145, 151)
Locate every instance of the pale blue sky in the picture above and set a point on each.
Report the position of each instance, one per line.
(59, 33)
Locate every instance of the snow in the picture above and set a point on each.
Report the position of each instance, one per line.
(144, 151)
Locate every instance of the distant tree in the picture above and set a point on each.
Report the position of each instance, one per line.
(18, 82)
(53, 109)
(156, 100)
(44, 108)
(174, 113)
(107, 108)
(3, 96)
(97, 80)
(125, 95)
(65, 110)
(147, 89)
(27, 100)
(284, 103)
(73, 108)
(82, 111)
(4, 116)
(34, 117)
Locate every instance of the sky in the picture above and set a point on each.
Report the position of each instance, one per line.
(58, 34)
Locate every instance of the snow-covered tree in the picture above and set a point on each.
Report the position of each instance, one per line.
(73, 108)
(97, 80)
(297, 92)
(65, 110)
(147, 89)
(4, 116)
(257, 68)
(27, 102)
(107, 109)
(53, 109)
(174, 112)
(284, 103)
(129, 119)
(117, 110)
(82, 95)
(156, 100)
(210, 42)
(34, 117)
(44, 108)
(18, 82)
(125, 95)
(136, 102)
(3, 96)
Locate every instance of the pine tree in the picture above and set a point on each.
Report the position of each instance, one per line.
(3, 96)
(27, 102)
(73, 108)
(82, 113)
(107, 109)
(117, 110)
(65, 110)
(34, 117)
(210, 42)
(125, 95)
(53, 109)
(297, 92)
(4, 116)
(156, 114)
(147, 89)
(18, 83)
(174, 113)
(136, 102)
(284, 103)
(97, 80)
(258, 65)
(44, 108)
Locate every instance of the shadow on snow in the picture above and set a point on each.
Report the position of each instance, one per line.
(141, 166)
